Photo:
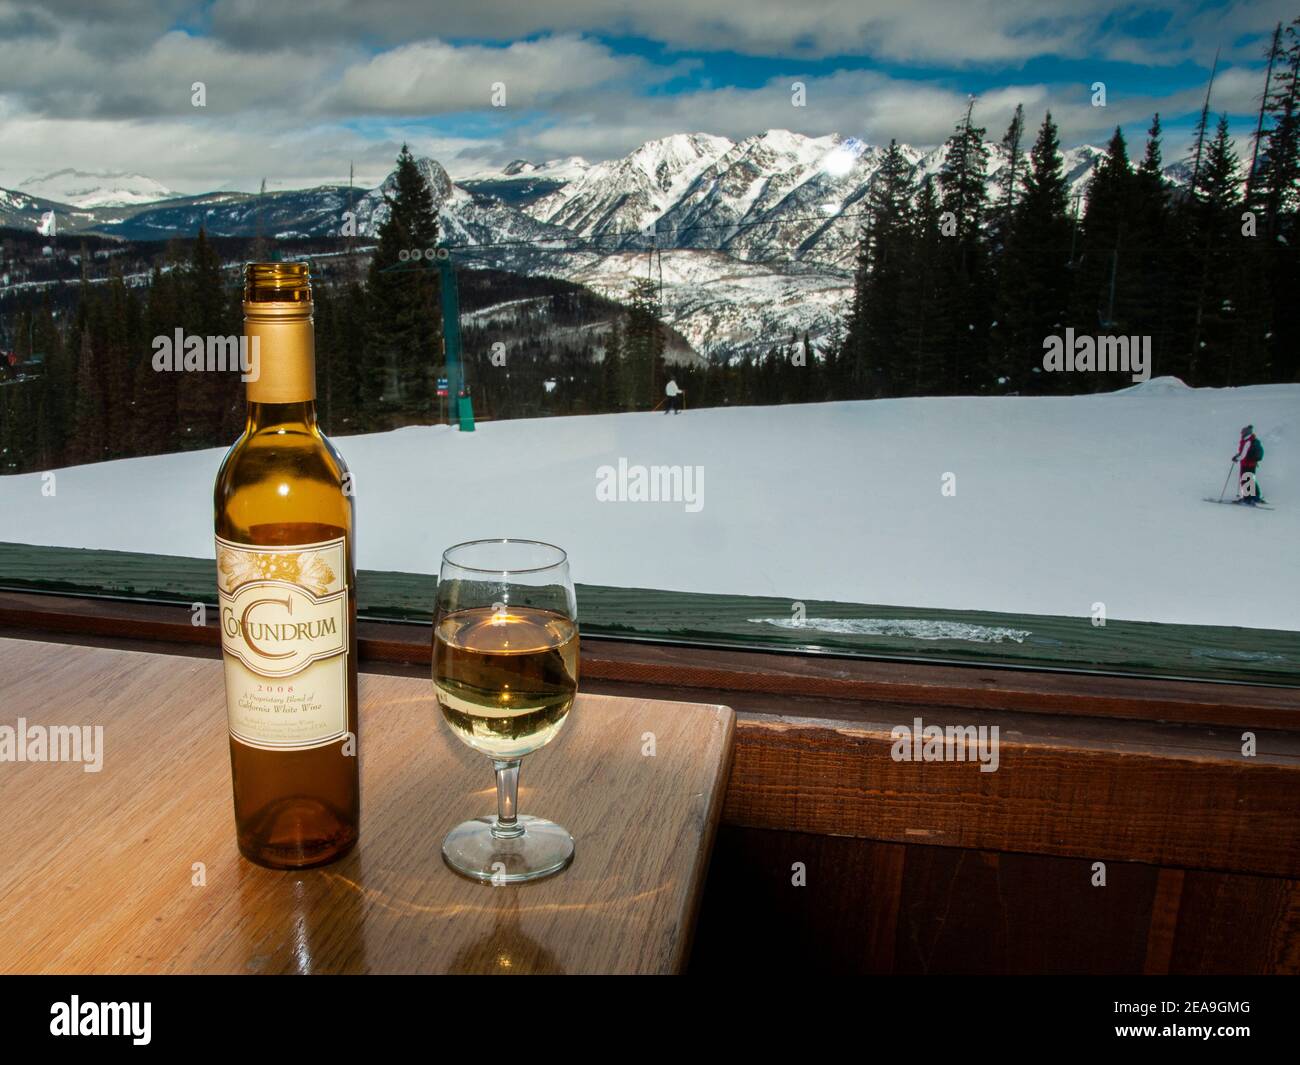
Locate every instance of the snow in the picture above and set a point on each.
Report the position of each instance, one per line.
(717, 302)
(1060, 503)
(567, 169)
(96, 188)
(507, 310)
(915, 629)
(632, 192)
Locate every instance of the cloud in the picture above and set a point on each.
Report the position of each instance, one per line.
(1195, 33)
(296, 92)
(951, 31)
(954, 33)
(866, 104)
(119, 29)
(433, 77)
(61, 77)
(197, 157)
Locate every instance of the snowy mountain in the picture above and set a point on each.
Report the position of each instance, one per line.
(298, 213)
(751, 240)
(465, 217)
(96, 188)
(520, 182)
(21, 211)
(624, 195)
(559, 170)
(778, 196)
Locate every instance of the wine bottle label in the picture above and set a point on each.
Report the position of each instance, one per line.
(284, 631)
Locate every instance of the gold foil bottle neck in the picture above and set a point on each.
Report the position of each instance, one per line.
(278, 324)
(277, 283)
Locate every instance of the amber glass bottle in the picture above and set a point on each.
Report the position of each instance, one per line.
(286, 583)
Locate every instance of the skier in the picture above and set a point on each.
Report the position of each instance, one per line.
(674, 405)
(1250, 452)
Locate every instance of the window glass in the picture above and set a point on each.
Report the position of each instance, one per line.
(970, 371)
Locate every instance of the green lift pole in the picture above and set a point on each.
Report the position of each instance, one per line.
(462, 407)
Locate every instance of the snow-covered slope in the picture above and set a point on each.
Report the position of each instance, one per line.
(1060, 502)
(718, 303)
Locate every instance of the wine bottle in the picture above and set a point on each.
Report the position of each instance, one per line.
(286, 583)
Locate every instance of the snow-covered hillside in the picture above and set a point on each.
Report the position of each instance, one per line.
(716, 302)
(1060, 502)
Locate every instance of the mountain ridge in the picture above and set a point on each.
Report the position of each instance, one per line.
(751, 240)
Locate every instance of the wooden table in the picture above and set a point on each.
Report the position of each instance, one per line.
(134, 869)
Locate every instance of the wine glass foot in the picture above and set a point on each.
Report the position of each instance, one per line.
(543, 848)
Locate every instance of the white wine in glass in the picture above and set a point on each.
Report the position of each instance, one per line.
(505, 672)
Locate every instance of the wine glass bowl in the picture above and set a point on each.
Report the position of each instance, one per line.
(505, 673)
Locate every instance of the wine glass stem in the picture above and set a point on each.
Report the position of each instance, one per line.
(507, 825)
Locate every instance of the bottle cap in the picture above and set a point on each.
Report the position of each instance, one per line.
(277, 283)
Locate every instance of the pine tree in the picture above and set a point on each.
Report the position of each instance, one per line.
(924, 324)
(1203, 124)
(875, 345)
(1216, 259)
(961, 178)
(1035, 280)
(89, 435)
(1277, 193)
(351, 315)
(153, 421)
(1151, 249)
(1012, 174)
(118, 366)
(965, 284)
(642, 366)
(854, 358)
(1280, 177)
(201, 396)
(1274, 56)
(56, 390)
(403, 297)
(1106, 268)
(889, 208)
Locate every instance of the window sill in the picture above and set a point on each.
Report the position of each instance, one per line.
(1092, 768)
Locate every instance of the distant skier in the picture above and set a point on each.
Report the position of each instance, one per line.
(674, 394)
(1250, 452)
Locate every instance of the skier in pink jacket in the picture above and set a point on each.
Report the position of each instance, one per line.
(1250, 452)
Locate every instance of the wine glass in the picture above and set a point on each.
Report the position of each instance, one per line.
(505, 671)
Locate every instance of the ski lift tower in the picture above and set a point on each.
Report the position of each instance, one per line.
(461, 407)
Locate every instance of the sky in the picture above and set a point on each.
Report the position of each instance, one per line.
(295, 93)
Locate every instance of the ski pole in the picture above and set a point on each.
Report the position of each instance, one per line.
(1226, 480)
